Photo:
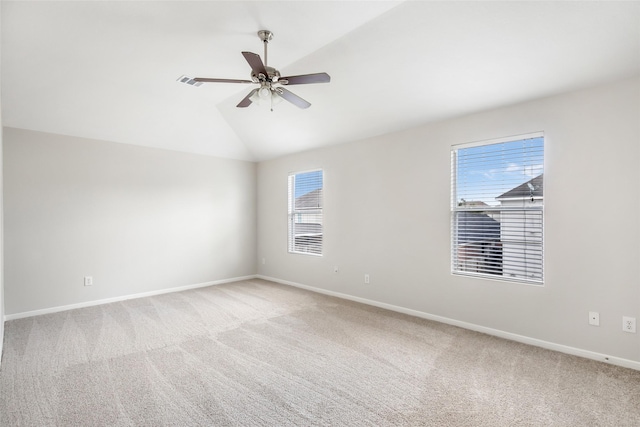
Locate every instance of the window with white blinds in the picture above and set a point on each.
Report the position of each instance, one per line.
(305, 212)
(497, 209)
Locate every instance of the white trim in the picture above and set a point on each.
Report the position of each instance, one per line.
(123, 298)
(497, 278)
(458, 264)
(305, 253)
(532, 135)
(626, 363)
(292, 211)
(320, 169)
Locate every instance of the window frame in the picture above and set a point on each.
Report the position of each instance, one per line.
(455, 210)
(292, 212)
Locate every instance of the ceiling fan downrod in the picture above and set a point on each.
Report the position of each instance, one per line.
(265, 36)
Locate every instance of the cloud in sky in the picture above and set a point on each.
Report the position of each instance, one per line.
(487, 171)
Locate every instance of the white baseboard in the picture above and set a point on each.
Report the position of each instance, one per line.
(626, 363)
(122, 298)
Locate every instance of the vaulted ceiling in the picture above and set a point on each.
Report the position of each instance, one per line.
(109, 70)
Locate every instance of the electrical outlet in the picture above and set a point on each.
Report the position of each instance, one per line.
(88, 280)
(366, 279)
(594, 318)
(629, 324)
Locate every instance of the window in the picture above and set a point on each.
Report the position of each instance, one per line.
(497, 209)
(305, 212)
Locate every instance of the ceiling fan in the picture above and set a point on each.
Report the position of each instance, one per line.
(268, 78)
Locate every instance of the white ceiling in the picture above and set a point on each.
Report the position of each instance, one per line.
(108, 70)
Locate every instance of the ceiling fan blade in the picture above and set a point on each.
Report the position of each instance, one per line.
(246, 101)
(208, 80)
(255, 63)
(306, 79)
(293, 98)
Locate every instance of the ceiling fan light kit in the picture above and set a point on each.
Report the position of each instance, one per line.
(271, 82)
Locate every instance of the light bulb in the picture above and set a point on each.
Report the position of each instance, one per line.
(264, 92)
(255, 98)
(275, 98)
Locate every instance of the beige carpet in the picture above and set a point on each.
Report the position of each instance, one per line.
(256, 353)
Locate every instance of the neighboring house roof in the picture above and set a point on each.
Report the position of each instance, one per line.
(476, 227)
(524, 191)
(472, 204)
(312, 199)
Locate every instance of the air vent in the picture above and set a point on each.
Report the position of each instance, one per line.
(188, 80)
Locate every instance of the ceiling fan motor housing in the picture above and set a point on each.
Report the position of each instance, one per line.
(273, 76)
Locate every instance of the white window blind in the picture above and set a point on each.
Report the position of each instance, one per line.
(497, 206)
(305, 212)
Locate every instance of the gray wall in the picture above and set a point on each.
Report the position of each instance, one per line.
(1, 220)
(1, 243)
(136, 219)
(387, 214)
